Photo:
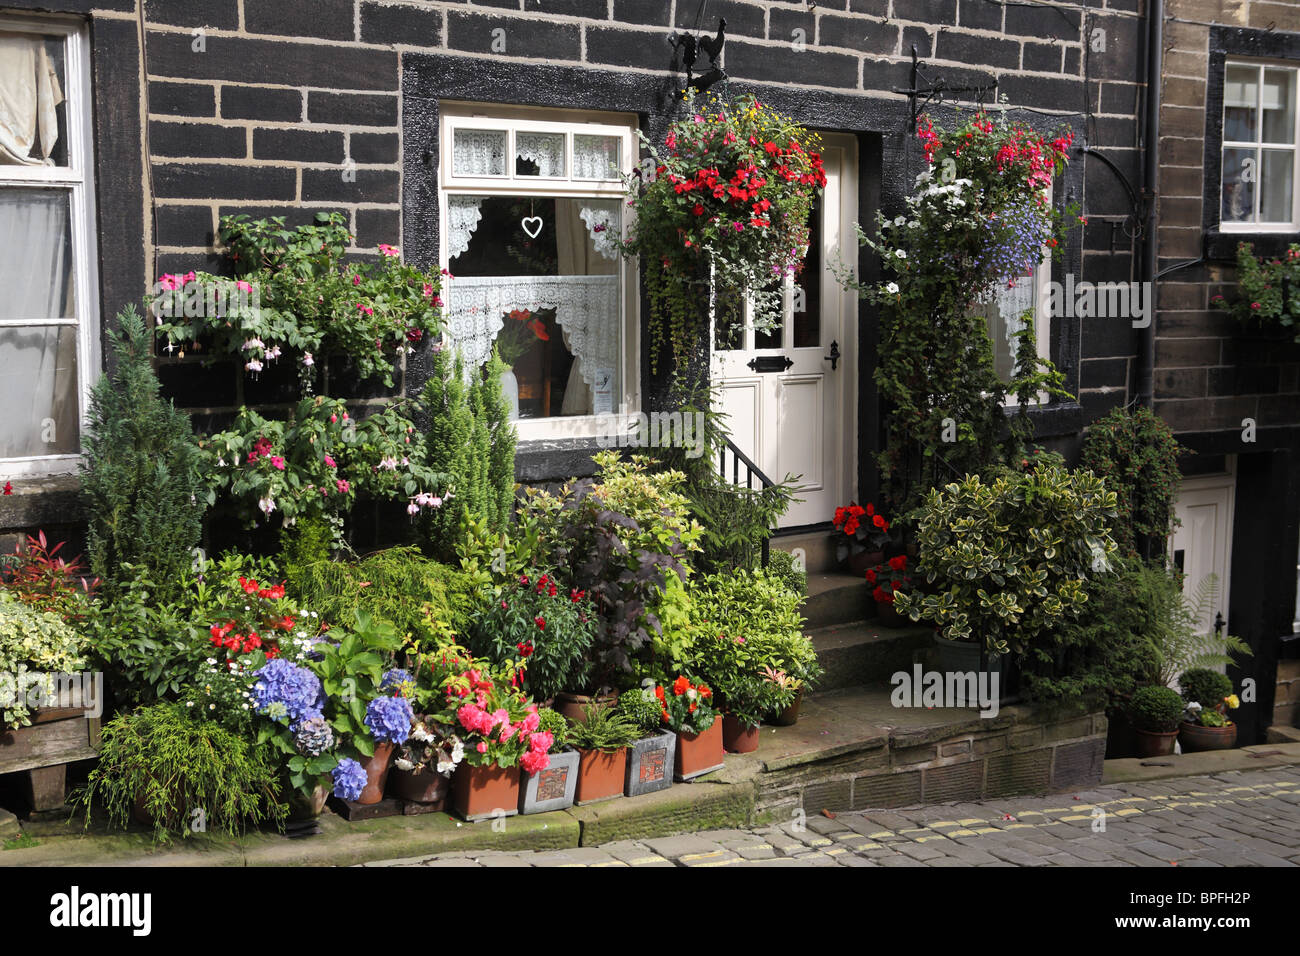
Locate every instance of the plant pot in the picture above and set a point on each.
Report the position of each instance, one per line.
(574, 706)
(650, 764)
(888, 615)
(789, 716)
(601, 775)
(419, 786)
(552, 788)
(376, 769)
(738, 738)
(1194, 737)
(478, 793)
(858, 562)
(698, 754)
(1152, 743)
(306, 806)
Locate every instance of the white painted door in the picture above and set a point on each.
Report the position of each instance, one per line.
(1202, 544)
(801, 418)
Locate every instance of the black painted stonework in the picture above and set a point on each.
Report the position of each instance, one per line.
(259, 103)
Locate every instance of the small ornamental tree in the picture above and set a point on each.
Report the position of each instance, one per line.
(142, 479)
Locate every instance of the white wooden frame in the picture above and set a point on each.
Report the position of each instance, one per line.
(77, 180)
(1255, 225)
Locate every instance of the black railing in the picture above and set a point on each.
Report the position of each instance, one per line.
(752, 473)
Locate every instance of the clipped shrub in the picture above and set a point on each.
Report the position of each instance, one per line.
(1204, 686)
(1157, 710)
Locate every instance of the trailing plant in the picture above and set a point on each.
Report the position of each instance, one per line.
(188, 775)
(979, 218)
(1008, 560)
(142, 481)
(548, 631)
(35, 647)
(1156, 710)
(470, 440)
(1136, 454)
(296, 296)
(1268, 290)
(605, 729)
(724, 205)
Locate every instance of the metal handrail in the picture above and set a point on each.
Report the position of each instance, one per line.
(752, 471)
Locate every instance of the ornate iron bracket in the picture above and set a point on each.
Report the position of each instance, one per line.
(687, 48)
(935, 91)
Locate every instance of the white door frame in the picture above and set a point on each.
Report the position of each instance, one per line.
(1206, 489)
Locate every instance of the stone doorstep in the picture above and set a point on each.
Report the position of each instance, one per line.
(1256, 757)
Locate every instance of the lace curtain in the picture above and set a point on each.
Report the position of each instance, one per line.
(602, 219)
(478, 152)
(29, 96)
(586, 307)
(544, 149)
(595, 157)
(463, 216)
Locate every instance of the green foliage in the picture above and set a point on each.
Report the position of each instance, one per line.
(1262, 285)
(1212, 718)
(1008, 560)
(1100, 657)
(296, 295)
(1204, 686)
(553, 723)
(425, 601)
(184, 772)
(639, 706)
(35, 646)
(141, 481)
(781, 566)
(1182, 639)
(606, 729)
(24, 841)
(1136, 454)
(1157, 709)
(471, 441)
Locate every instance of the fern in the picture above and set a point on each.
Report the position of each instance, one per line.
(1181, 641)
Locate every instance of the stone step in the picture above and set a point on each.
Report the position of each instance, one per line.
(835, 598)
(862, 652)
(818, 549)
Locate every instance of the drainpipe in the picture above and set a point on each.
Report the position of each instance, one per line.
(1150, 190)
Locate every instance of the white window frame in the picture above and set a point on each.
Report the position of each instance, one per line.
(77, 179)
(527, 119)
(1255, 226)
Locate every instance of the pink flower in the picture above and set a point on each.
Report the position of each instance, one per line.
(530, 723)
(169, 282)
(428, 291)
(277, 462)
(508, 729)
(356, 280)
(499, 716)
(389, 250)
(366, 309)
(243, 286)
(343, 486)
(330, 462)
(541, 741)
(535, 761)
(482, 747)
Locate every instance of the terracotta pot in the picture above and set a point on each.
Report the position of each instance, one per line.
(419, 786)
(376, 769)
(789, 716)
(1194, 737)
(601, 775)
(1153, 744)
(481, 792)
(574, 706)
(858, 562)
(738, 738)
(889, 617)
(698, 753)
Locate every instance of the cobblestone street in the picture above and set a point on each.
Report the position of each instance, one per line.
(1229, 819)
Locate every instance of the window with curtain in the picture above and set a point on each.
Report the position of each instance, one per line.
(1260, 156)
(47, 324)
(532, 221)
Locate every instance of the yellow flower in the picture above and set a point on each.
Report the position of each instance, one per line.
(1232, 701)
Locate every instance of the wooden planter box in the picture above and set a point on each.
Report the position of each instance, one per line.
(57, 737)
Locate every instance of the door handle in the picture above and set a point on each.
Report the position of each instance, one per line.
(834, 357)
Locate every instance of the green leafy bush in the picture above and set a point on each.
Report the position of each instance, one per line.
(1157, 710)
(142, 480)
(1010, 559)
(781, 566)
(189, 775)
(640, 706)
(1204, 686)
(606, 729)
(1136, 454)
(35, 646)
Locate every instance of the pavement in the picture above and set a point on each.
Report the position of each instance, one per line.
(1229, 819)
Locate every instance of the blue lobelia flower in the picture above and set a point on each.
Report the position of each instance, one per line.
(389, 719)
(349, 779)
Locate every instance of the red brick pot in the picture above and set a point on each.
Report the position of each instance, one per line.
(600, 774)
(738, 738)
(698, 754)
(481, 792)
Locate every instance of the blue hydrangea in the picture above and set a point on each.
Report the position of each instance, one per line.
(389, 719)
(313, 736)
(349, 779)
(287, 692)
(395, 678)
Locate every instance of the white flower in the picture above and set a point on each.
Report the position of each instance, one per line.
(901, 253)
(404, 764)
(307, 359)
(892, 288)
(900, 220)
(274, 353)
(189, 703)
(412, 509)
(254, 343)
(267, 505)
(253, 366)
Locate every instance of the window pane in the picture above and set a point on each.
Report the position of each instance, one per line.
(1240, 100)
(33, 116)
(541, 278)
(1279, 106)
(38, 391)
(596, 157)
(808, 285)
(35, 255)
(478, 152)
(1275, 185)
(539, 154)
(1003, 316)
(1240, 171)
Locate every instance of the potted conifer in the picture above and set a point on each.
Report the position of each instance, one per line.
(1155, 713)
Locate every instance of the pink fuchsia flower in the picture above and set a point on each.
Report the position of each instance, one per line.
(330, 463)
(389, 250)
(535, 761)
(412, 509)
(307, 360)
(277, 462)
(253, 366)
(1254, 305)
(343, 486)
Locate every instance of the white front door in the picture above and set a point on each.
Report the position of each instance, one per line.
(1202, 544)
(789, 407)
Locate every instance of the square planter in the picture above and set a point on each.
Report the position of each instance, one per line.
(552, 788)
(650, 764)
(601, 775)
(698, 754)
(480, 793)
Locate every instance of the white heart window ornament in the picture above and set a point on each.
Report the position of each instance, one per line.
(531, 225)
